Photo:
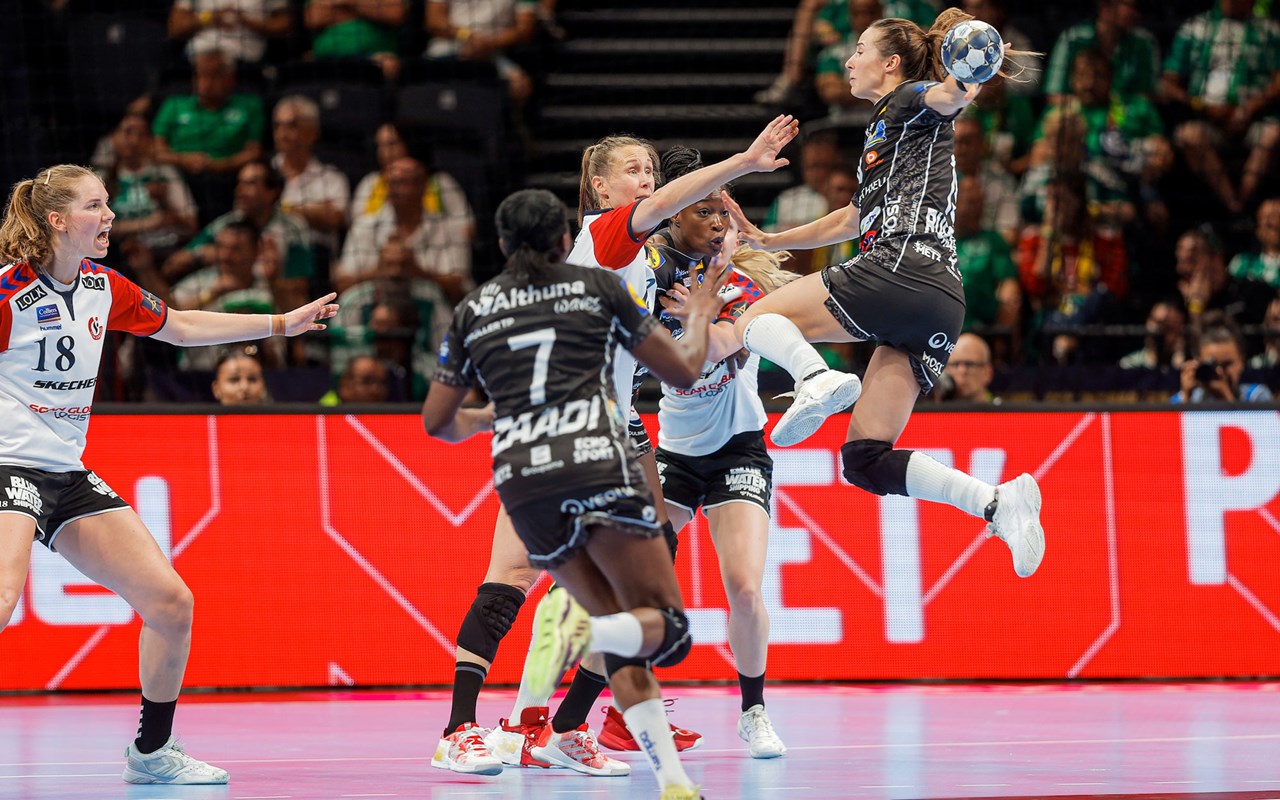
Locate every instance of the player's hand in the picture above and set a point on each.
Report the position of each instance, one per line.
(763, 152)
(675, 301)
(311, 316)
(746, 231)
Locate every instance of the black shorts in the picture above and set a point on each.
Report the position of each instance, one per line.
(739, 472)
(917, 317)
(554, 528)
(53, 499)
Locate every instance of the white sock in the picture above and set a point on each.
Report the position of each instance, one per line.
(929, 480)
(647, 722)
(619, 634)
(524, 697)
(777, 338)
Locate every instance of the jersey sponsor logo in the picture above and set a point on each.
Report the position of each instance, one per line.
(501, 475)
(152, 303)
(652, 257)
(707, 389)
(573, 304)
(22, 493)
(937, 223)
(875, 134)
(48, 314)
(65, 386)
(871, 158)
(95, 328)
(483, 330)
(444, 351)
(871, 188)
(592, 448)
(595, 502)
(892, 210)
(573, 417)
(927, 251)
(870, 219)
(940, 341)
(637, 299)
(493, 299)
(747, 482)
(28, 299)
(100, 486)
(96, 282)
(73, 413)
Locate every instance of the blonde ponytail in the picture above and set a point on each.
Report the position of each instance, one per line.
(25, 233)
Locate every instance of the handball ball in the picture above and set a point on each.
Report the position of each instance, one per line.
(973, 51)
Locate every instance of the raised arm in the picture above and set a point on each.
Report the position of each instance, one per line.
(761, 156)
(950, 97)
(196, 328)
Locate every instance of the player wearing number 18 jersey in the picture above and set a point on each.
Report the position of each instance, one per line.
(55, 307)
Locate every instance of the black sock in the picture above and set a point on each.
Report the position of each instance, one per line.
(467, 680)
(582, 694)
(752, 690)
(155, 725)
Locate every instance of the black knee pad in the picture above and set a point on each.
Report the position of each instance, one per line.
(875, 466)
(673, 541)
(614, 663)
(676, 640)
(489, 618)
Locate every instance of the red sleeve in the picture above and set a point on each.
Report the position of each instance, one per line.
(738, 306)
(1028, 249)
(1113, 264)
(6, 324)
(611, 237)
(133, 309)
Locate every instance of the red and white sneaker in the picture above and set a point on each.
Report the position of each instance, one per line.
(513, 744)
(615, 736)
(464, 751)
(578, 750)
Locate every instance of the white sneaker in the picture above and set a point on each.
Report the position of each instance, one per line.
(755, 728)
(1017, 522)
(169, 764)
(579, 751)
(816, 399)
(464, 751)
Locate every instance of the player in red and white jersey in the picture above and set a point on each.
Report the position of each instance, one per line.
(55, 306)
(711, 451)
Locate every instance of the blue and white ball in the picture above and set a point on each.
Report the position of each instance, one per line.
(973, 52)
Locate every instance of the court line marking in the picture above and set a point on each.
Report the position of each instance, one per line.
(383, 583)
(1113, 556)
(175, 550)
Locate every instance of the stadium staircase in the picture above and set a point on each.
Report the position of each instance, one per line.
(674, 72)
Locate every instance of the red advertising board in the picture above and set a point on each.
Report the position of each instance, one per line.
(344, 550)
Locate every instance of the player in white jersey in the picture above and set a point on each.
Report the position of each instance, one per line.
(902, 289)
(55, 307)
(711, 451)
(622, 172)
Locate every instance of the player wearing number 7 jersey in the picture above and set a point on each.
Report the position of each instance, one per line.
(55, 307)
(540, 337)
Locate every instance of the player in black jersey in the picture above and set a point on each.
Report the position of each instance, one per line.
(902, 289)
(540, 338)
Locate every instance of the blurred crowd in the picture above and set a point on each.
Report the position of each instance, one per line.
(1118, 212)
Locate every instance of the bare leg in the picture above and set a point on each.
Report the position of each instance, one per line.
(17, 532)
(741, 535)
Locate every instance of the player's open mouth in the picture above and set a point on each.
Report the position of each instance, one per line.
(718, 241)
(104, 237)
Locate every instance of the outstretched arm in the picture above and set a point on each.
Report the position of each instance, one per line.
(761, 156)
(195, 328)
(840, 225)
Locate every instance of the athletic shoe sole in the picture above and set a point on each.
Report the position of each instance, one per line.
(562, 636)
(804, 419)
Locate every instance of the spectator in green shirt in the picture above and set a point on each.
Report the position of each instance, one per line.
(1134, 53)
(214, 130)
(1225, 66)
(991, 292)
(1262, 264)
(358, 29)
